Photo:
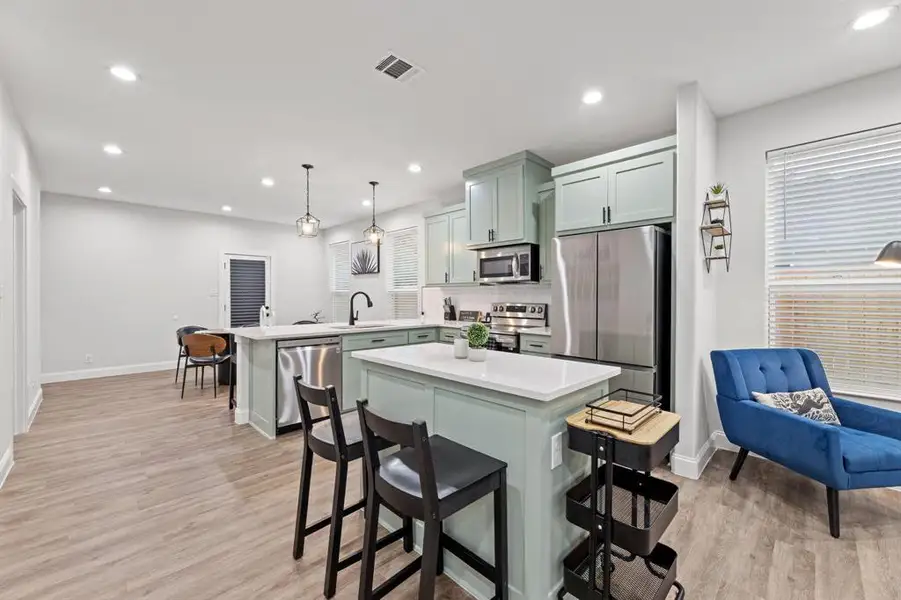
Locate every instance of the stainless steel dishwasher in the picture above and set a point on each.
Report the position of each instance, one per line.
(318, 362)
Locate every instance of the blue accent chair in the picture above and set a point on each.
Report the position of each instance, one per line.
(865, 452)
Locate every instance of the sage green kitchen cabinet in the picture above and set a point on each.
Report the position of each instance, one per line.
(351, 368)
(534, 344)
(546, 230)
(501, 200)
(641, 189)
(462, 259)
(448, 258)
(581, 200)
(437, 248)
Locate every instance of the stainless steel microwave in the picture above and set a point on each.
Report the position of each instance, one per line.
(511, 264)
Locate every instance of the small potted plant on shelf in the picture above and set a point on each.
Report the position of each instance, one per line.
(477, 334)
(718, 192)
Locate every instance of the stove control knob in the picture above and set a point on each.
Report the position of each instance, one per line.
(540, 309)
(532, 309)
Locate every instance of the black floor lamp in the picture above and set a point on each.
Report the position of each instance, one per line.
(890, 255)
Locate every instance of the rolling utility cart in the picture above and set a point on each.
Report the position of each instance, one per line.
(623, 508)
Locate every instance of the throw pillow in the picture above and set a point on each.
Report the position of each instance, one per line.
(813, 404)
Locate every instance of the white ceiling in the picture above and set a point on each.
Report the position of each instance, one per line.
(234, 90)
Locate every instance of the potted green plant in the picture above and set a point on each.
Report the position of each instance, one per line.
(477, 334)
(718, 192)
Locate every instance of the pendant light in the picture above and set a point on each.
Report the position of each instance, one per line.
(890, 255)
(374, 233)
(308, 225)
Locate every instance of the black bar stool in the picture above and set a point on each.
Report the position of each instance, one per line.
(429, 479)
(337, 438)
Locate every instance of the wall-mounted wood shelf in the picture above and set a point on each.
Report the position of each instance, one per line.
(716, 230)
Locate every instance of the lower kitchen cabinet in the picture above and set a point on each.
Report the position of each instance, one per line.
(534, 344)
(351, 368)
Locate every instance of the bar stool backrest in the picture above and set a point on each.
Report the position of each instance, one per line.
(320, 396)
(202, 345)
(416, 436)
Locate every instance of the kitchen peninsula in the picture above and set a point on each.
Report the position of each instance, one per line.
(512, 407)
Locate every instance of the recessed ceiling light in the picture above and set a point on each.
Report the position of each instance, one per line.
(226, 208)
(104, 190)
(267, 181)
(592, 97)
(414, 168)
(123, 73)
(367, 202)
(112, 149)
(873, 18)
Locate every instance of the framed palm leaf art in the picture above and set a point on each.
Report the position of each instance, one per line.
(365, 258)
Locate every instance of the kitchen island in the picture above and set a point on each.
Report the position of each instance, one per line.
(512, 407)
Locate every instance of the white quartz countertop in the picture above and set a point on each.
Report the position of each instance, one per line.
(293, 332)
(546, 331)
(535, 377)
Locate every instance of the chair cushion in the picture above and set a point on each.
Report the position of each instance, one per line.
(207, 360)
(456, 467)
(864, 452)
(811, 404)
(353, 434)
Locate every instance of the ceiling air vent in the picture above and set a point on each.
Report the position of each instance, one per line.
(397, 68)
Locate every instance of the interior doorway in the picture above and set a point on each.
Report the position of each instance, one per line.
(19, 315)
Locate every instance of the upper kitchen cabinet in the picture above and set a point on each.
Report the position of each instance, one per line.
(546, 229)
(634, 185)
(447, 256)
(502, 202)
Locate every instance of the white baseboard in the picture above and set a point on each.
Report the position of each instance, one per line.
(35, 406)
(693, 466)
(106, 372)
(6, 463)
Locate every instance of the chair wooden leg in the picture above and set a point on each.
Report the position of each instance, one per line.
(834, 512)
(408, 534)
(202, 376)
(334, 540)
(215, 382)
(440, 568)
(739, 462)
(370, 539)
(501, 591)
(195, 377)
(303, 501)
(431, 544)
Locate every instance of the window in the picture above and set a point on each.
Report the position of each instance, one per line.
(831, 207)
(246, 287)
(403, 273)
(339, 279)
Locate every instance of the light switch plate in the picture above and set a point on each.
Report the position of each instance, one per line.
(557, 450)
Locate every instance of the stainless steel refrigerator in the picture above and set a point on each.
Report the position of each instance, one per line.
(611, 304)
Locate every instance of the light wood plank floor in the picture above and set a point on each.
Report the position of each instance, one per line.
(121, 490)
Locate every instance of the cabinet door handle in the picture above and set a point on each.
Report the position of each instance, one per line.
(473, 274)
(446, 278)
(422, 336)
(379, 341)
(609, 218)
(541, 271)
(536, 345)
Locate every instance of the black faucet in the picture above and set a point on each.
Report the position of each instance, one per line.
(354, 318)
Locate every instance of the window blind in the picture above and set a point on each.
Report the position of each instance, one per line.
(831, 207)
(247, 291)
(403, 278)
(339, 279)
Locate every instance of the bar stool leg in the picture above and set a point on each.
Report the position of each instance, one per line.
(440, 568)
(408, 534)
(500, 539)
(431, 544)
(303, 501)
(370, 539)
(334, 540)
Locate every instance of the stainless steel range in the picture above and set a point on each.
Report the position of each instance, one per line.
(509, 320)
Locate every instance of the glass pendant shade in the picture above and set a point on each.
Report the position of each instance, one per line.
(374, 234)
(890, 255)
(308, 225)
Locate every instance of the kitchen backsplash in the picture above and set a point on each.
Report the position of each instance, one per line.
(481, 298)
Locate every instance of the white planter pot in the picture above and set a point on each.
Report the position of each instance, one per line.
(478, 354)
(717, 197)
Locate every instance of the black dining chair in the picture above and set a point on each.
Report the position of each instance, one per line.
(204, 350)
(179, 334)
(430, 479)
(338, 439)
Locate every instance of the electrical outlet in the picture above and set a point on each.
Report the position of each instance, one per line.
(557, 450)
(88, 359)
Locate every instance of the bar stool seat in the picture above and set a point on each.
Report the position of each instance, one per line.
(353, 434)
(430, 478)
(457, 468)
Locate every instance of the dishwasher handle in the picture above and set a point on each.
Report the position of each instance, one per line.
(332, 341)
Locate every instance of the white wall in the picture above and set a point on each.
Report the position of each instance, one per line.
(119, 279)
(743, 141)
(695, 311)
(18, 172)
